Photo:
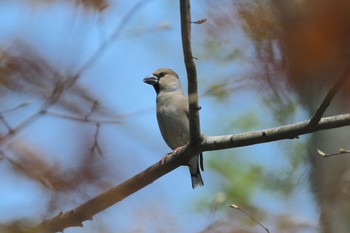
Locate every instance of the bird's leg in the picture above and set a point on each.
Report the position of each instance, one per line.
(174, 152)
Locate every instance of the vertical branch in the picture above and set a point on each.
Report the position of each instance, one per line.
(185, 13)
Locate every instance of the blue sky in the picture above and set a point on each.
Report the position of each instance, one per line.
(66, 37)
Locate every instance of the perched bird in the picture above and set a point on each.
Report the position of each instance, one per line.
(172, 116)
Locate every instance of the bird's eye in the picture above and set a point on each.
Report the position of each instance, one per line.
(161, 74)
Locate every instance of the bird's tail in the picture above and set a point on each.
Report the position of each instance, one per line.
(195, 172)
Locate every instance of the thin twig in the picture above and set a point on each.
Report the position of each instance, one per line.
(96, 146)
(340, 152)
(200, 21)
(330, 95)
(20, 127)
(24, 104)
(6, 124)
(251, 217)
(94, 106)
(82, 119)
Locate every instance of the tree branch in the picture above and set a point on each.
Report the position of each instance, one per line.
(86, 211)
(290, 131)
(185, 12)
(330, 95)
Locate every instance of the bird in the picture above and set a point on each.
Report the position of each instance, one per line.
(173, 117)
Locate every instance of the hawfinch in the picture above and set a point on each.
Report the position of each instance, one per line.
(172, 116)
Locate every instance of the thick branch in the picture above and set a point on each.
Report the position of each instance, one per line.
(185, 12)
(87, 210)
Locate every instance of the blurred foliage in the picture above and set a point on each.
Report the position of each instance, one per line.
(97, 5)
(246, 121)
(258, 18)
(283, 112)
(286, 180)
(31, 89)
(219, 91)
(226, 87)
(238, 181)
(216, 50)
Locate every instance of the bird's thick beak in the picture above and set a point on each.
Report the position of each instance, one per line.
(151, 80)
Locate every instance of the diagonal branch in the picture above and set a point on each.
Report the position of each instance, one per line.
(330, 95)
(185, 12)
(86, 211)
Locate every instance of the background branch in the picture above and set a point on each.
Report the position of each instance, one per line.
(62, 83)
(330, 95)
(104, 45)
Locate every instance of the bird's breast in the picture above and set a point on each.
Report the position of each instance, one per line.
(173, 125)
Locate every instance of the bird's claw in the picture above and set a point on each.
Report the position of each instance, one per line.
(166, 156)
(177, 150)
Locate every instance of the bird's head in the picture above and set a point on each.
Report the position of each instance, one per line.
(164, 79)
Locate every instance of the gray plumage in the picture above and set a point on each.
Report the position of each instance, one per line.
(172, 115)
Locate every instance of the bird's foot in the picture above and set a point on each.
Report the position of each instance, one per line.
(177, 150)
(166, 156)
